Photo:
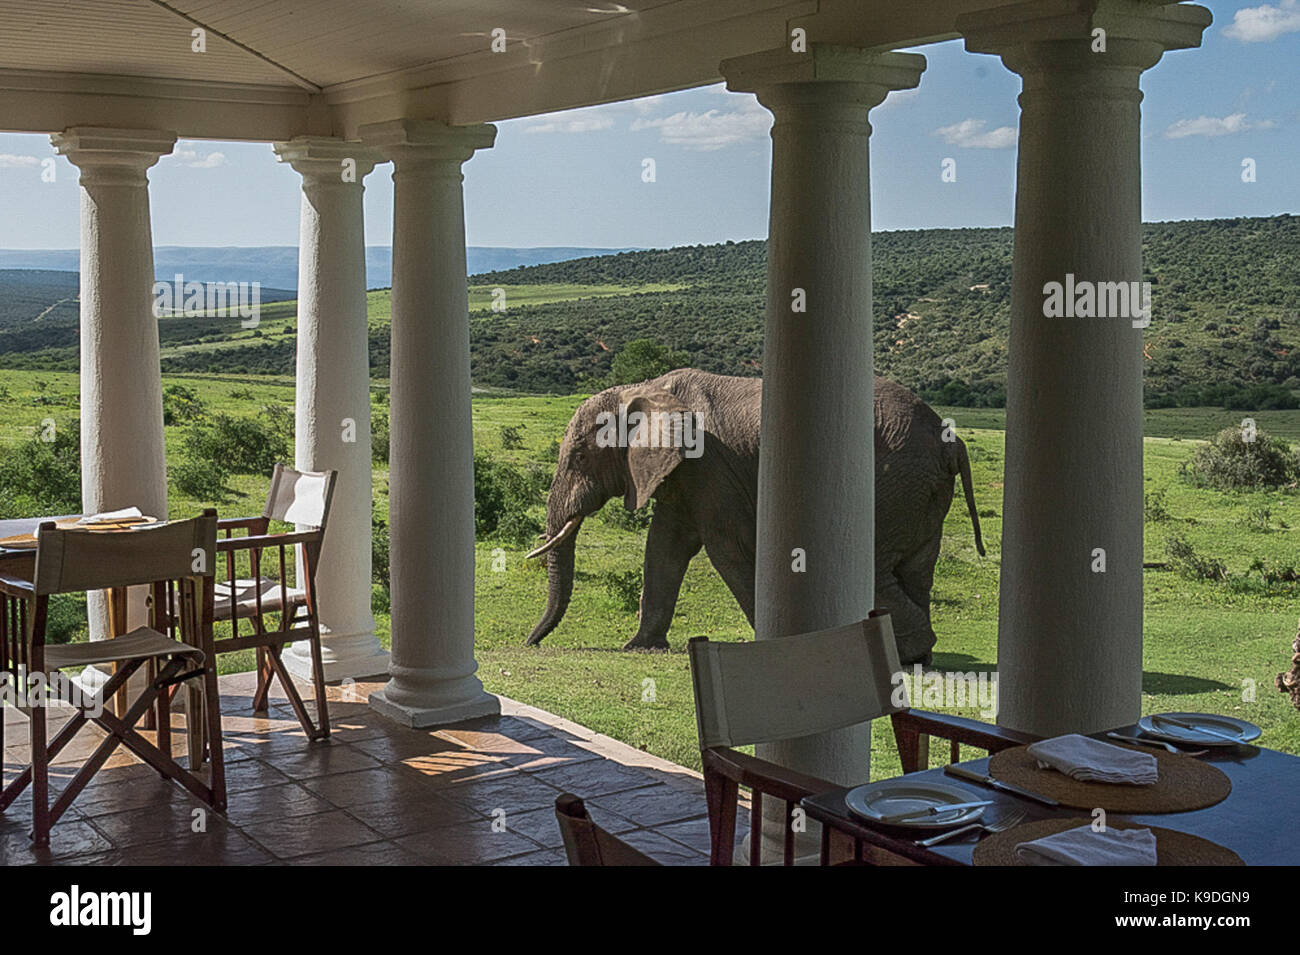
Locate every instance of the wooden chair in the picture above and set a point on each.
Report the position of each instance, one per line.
(586, 843)
(176, 561)
(296, 497)
(770, 690)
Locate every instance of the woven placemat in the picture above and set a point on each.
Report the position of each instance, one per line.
(1172, 847)
(1185, 783)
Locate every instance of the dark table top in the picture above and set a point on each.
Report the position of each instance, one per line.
(1255, 821)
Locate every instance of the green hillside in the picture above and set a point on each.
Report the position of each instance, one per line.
(1225, 330)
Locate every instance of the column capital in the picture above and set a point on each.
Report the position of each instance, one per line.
(826, 73)
(321, 158)
(1046, 35)
(111, 154)
(418, 141)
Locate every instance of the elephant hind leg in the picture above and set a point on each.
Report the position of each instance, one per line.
(911, 621)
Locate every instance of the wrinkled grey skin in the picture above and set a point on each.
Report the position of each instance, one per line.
(710, 501)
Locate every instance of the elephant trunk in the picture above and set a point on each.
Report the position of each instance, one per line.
(559, 575)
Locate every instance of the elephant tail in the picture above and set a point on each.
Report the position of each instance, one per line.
(968, 487)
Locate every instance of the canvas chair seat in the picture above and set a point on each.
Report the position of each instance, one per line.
(245, 597)
(142, 643)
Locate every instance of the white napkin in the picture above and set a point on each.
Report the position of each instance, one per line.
(111, 515)
(1091, 760)
(1082, 846)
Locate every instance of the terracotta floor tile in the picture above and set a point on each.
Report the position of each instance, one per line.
(167, 822)
(369, 785)
(216, 847)
(652, 805)
(245, 774)
(274, 802)
(594, 778)
(457, 766)
(67, 838)
(518, 792)
(374, 853)
(540, 825)
(662, 849)
(321, 759)
(395, 748)
(467, 844)
(294, 836)
(409, 816)
(547, 857)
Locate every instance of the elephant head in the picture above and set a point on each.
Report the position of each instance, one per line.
(608, 450)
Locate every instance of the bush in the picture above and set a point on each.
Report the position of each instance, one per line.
(504, 494)
(625, 588)
(511, 437)
(66, 618)
(39, 476)
(380, 436)
(616, 515)
(239, 445)
(204, 481)
(180, 404)
(644, 359)
(1229, 462)
(1187, 563)
(1153, 507)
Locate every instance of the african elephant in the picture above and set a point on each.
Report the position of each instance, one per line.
(705, 496)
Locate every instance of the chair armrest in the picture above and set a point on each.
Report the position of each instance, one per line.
(911, 725)
(260, 541)
(16, 587)
(257, 525)
(768, 778)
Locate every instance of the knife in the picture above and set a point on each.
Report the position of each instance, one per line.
(1194, 728)
(971, 776)
(936, 810)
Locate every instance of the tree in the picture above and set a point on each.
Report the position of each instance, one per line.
(643, 359)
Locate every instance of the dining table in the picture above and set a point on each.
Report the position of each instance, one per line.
(1252, 821)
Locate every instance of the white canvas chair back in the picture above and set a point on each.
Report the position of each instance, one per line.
(300, 497)
(768, 690)
(69, 560)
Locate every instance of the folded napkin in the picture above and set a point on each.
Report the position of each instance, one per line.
(1082, 846)
(111, 515)
(1091, 760)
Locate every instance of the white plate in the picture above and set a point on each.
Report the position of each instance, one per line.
(1152, 726)
(892, 796)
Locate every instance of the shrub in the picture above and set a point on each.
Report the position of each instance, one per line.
(512, 437)
(1230, 462)
(204, 481)
(1259, 519)
(66, 618)
(644, 359)
(503, 497)
(1187, 563)
(625, 588)
(616, 515)
(239, 445)
(1153, 507)
(180, 404)
(39, 476)
(550, 453)
(379, 435)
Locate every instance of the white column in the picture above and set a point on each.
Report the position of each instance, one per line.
(122, 456)
(816, 472)
(1069, 631)
(332, 422)
(431, 461)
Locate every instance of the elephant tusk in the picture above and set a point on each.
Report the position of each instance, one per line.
(567, 531)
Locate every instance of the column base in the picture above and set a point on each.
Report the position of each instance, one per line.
(421, 717)
(807, 845)
(346, 657)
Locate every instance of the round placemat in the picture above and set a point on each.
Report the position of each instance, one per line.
(1185, 783)
(1172, 847)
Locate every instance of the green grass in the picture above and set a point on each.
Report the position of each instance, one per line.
(1203, 639)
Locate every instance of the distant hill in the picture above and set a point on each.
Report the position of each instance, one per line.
(276, 266)
(1225, 329)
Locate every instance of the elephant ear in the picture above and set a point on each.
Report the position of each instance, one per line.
(654, 448)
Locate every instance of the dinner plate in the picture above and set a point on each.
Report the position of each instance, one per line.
(1153, 726)
(892, 796)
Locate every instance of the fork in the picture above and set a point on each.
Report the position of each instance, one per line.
(1157, 742)
(1002, 825)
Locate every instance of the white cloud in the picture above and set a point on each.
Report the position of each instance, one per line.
(9, 161)
(1263, 23)
(585, 124)
(713, 129)
(1215, 126)
(969, 134)
(191, 158)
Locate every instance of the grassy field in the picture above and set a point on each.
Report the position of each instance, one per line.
(1204, 640)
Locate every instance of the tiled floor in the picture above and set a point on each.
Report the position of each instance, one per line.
(479, 793)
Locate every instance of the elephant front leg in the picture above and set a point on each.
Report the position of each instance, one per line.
(670, 545)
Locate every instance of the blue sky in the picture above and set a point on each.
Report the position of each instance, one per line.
(574, 178)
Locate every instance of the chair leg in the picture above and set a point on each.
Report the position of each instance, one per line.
(318, 678)
(212, 726)
(263, 679)
(162, 714)
(40, 779)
